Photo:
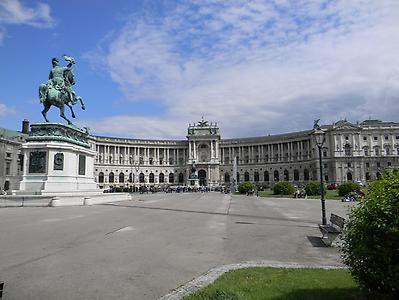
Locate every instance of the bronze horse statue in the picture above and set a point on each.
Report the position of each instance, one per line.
(58, 92)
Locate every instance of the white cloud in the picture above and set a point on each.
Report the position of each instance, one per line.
(258, 67)
(14, 12)
(5, 110)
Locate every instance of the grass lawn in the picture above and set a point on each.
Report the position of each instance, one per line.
(330, 195)
(279, 284)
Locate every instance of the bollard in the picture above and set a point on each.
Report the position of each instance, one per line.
(55, 202)
(87, 201)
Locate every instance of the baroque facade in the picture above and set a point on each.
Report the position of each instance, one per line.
(11, 158)
(358, 152)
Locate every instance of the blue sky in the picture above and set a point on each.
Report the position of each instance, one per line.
(146, 69)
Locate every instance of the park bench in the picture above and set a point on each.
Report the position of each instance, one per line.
(332, 230)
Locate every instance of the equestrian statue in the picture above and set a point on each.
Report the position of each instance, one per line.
(58, 89)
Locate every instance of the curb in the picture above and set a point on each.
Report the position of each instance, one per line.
(214, 273)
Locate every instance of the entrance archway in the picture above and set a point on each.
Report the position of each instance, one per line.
(202, 177)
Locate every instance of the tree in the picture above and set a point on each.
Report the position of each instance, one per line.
(371, 239)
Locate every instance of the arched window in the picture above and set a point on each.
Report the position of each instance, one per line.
(121, 177)
(151, 178)
(306, 174)
(266, 176)
(377, 151)
(141, 178)
(387, 151)
(296, 175)
(276, 176)
(226, 177)
(366, 151)
(171, 178)
(6, 185)
(131, 177)
(347, 150)
(256, 176)
(181, 178)
(286, 175)
(246, 176)
(349, 176)
(101, 177)
(161, 178)
(111, 177)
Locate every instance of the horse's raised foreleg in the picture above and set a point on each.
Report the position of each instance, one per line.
(45, 110)
(62, 115)
(81, 102)
(70, 107)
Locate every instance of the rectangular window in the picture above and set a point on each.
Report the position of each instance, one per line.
(21, 162)
(349, 165)
(376, 138)
(367, 165)
(82, 165)
(389, 164)
(386, 137)
(378, 164)
(365, 138)
(8, 155)
(8, 168)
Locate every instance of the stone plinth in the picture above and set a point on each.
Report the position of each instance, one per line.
(57, 159)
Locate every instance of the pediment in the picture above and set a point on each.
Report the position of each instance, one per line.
(345, 125)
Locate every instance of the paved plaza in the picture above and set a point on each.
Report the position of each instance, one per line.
(145, 247)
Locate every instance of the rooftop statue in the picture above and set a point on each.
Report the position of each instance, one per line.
(316, 125)
(58, 89)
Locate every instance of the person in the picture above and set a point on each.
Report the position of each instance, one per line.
(61, 78)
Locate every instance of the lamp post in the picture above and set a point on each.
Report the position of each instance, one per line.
(320, 139)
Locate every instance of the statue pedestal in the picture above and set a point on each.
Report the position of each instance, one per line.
(57, 160)
(193, 181)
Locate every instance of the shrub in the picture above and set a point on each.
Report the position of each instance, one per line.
(347, 187)
(313, 188)
(371, 239)
(283, 188)
(244, 187)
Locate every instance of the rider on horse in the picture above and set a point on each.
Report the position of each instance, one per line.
(58, 89)
(59, 80)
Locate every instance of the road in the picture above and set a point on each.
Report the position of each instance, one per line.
(143, 248)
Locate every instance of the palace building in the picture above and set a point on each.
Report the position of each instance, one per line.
(358, 152)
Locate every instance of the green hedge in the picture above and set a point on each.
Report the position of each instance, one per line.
(312, 188)
(371, 239)
(245, 187)
(347, 187)
(283, 188)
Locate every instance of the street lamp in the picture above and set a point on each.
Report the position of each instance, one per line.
(320, 139)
